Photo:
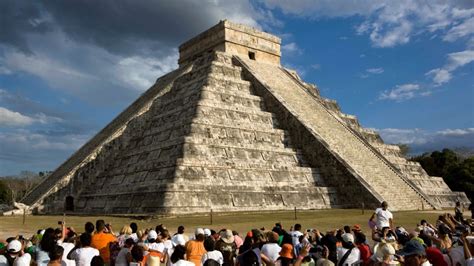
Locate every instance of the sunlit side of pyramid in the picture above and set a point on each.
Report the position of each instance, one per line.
(232, 130)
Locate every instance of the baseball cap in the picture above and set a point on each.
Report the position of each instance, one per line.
(199, 231)
(14, 246)
(152, 234)
(348, 237)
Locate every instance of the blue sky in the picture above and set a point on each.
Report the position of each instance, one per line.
(405, 68)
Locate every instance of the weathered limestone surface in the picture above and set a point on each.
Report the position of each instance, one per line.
(232, 134)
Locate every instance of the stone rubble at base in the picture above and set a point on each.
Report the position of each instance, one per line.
(232, 130)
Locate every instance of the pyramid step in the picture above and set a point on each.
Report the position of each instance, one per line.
(211, 113)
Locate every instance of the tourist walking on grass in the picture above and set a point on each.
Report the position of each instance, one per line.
(384, 218)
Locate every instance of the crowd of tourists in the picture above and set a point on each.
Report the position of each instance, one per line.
(447, 242)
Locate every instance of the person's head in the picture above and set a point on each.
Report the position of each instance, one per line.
(257, 237)
(297, 227)
(152, 236)
(384, 205)
(129, 243)
(100, 226)
(97, 261)
(180, 229)
(165, 234)
(178, 253)
(48, 241)
(273, 237)
(199, 233)
(347, 229)
(211, 262)
(126, 230)
(58, 233)
(423, 222)
(359, 238)
(14, 247)
(89, 227)
(250, 258)
(56, 253)
(137, 253)
(227, 236)
(414, 253)
(134, 227)
(209, 244)
(85, 239)
(159, 228)
(458, 204)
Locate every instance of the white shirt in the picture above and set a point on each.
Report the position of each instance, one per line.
(67, 248)
(183, 263)
(3, 261)
(271, 250)
(383, 218)
(213, 255)
(353, 257)
(83, 256)
(295, 235)
(24, 260)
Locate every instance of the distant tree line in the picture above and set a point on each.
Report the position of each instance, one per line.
(14, 188)
(457, 172)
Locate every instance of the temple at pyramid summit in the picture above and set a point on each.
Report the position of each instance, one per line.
(233, 130)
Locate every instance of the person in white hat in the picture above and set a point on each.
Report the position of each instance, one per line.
(195, 248)
(226, 245)
(348, 253)
(15, 254)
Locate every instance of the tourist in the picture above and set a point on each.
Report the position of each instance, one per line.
(286, 255)
(97, 261)
(383, 215)
(125, 233)
(83, 253)
(102, 238)
(271, 249)
(361, 243)
(179, 238)
(134, 235)
(414, 254)
(237, 239)
(227, 246)
(46, 245)
(177, 258)
(348, 253)
(15, 254)
(195, 248)
(68, 244)
(124, 257)
(138, 257)
(295, 234)
(89, 228)
(56, 256)
(211, 254)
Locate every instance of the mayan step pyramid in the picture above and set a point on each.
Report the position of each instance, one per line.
(232, 130)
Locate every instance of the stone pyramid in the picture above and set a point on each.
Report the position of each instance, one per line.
(232, 130)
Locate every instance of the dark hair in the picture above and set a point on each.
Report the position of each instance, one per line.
(180, 229)
(209, 244)
(360, 238)
(249, 258)
(134, 227)
(211, 262)
(56, 252)
(178, 254)
(347, 229)
(297, 227)
(97, 261)
(423, 221)
(165, 233)
(99, 225)
(287, 239)
(200, 237)
(86, 239)
(137, 253)
(48, 241)
(89, 227)
(129, 242)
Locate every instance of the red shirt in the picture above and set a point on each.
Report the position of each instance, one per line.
(364, 253)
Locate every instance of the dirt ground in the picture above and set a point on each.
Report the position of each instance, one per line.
(241, 222)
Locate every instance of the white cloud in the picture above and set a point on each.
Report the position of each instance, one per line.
(377, 70)
(316, 66)
(16, 119)
(291, 48)
(401, 92)
(422, 140)
(11, 118)
(390, 23)
(455, 60)
(439, 75)
(464, 29)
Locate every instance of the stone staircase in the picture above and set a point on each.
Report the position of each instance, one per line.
(380, 177)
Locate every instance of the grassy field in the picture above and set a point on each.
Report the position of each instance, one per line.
(242, 222)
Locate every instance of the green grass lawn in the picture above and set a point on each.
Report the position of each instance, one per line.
(242, 222)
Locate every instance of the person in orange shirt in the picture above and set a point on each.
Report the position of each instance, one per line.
(195, 248)
(102, 238)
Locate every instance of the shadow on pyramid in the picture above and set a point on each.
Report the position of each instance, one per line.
(232, 130)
